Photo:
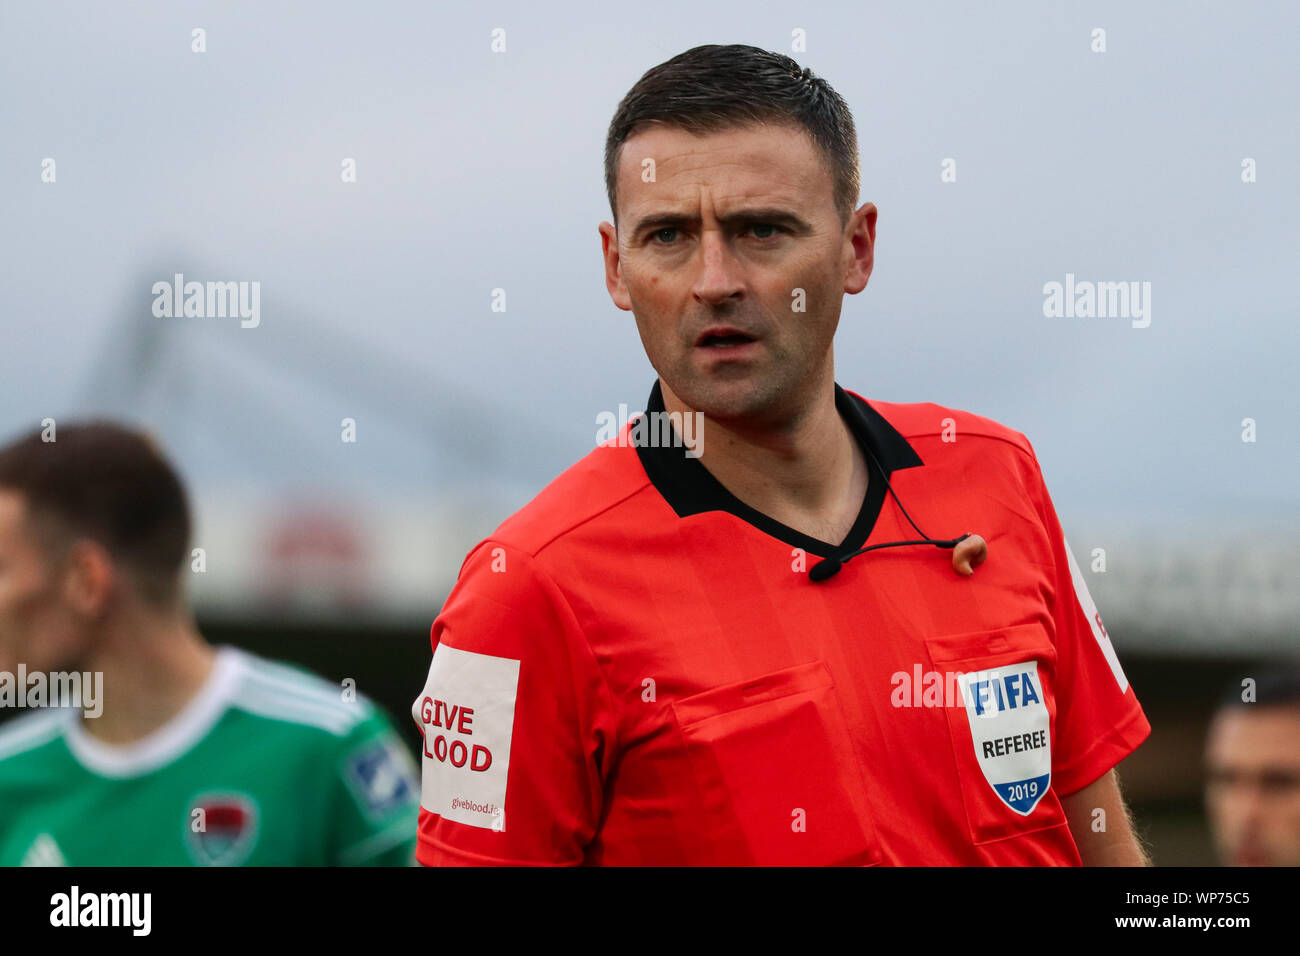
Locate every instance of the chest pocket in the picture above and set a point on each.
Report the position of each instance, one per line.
(1001, 720)
(777, 776)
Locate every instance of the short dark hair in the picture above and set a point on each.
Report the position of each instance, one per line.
(711, 88)
(106, 482)
(1277, 685)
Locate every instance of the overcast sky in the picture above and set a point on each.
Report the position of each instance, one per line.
(478, 170)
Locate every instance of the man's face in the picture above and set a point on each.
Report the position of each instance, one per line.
(37, 628)
(737, 231)
(1253, 788)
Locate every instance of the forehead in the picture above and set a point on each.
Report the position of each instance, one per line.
(13, 508)
(1270, 733)
(763, 162)
(17, 531)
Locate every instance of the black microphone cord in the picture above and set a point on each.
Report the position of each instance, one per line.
(830, 566)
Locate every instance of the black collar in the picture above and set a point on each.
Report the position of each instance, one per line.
(690, 488)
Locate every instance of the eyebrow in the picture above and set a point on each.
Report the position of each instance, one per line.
(777, 216)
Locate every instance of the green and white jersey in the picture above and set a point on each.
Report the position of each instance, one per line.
(266, 766)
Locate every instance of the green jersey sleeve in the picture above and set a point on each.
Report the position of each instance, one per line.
(377, 797)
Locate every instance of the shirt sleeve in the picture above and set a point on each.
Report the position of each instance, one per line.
(516, 719)
(377, 796)
(1099, 721)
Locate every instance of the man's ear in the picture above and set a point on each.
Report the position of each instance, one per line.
(860, 249)
(613, 271)
(89, 576)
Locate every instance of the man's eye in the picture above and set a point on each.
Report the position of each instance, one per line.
(1278, 781)
(763, 230)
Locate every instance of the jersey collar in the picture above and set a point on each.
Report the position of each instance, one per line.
(169, 741)
(690, 488)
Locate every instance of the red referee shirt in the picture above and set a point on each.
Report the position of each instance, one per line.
(636, 669)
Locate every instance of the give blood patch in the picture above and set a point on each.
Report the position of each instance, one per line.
(466, 714)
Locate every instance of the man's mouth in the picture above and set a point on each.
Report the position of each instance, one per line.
(1248, 856)
(723, 339)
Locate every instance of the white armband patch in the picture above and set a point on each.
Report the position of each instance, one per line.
(1094, 620)
(466, 714)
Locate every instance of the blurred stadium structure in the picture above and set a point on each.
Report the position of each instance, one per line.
(344, 549)
(343, 570)
(1194, 593)
(356, 549)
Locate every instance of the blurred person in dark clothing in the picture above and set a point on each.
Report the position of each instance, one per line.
(1252, 759)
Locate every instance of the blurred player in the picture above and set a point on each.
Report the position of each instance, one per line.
(1252, 760)
(198, 755)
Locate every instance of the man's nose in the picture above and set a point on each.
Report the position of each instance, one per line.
(1250, 803)
(720, 275)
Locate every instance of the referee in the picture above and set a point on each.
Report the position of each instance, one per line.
(680, 652)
